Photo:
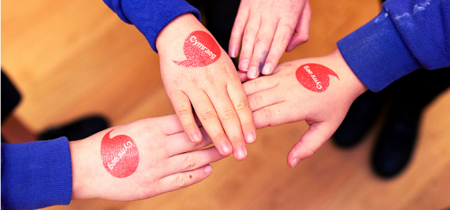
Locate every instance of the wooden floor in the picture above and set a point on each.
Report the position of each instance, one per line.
(74, 58)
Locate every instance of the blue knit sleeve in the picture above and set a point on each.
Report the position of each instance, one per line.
(150, 16)
(405, 36)
(36, 174)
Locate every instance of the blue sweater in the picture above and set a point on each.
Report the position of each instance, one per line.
(406, 35)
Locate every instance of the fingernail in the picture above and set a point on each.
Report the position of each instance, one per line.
(294, 162)
(226, 149)
(196, 137)
(208, 169)
(266, 69)
(250, 138)
(240, 154)
(252, 72)
(233, 52)
(243, 65)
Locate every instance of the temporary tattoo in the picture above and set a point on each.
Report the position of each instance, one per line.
(200, 50)
(120, 155)
(314, 77)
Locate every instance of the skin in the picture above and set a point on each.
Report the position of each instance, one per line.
(279, 99)
(267, 29)
(167, 162)
(215, 92)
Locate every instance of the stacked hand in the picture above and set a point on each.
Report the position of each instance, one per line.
(267, 29)
(196, 70)
(163, 159)
(291, 94)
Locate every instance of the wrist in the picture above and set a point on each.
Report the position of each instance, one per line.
(80, 169)
(177, 29)
(353, 84)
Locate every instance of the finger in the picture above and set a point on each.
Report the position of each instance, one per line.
(242, 76)
(260, 84)
(210, 121)
(238, 29)
(170, 124)
(182, 180)
(192, 160)
(180, 143)
(301, 34)
(183, 109)
(262, 47)
(241, 105)
(274, 115)
(311, 141)
(248, 41)
(281, 39)
(265, 98)
(230, 122)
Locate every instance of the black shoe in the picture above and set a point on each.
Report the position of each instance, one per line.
(360, 118)
(77, 130)
(394, 146)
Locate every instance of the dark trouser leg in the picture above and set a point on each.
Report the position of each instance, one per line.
(395, 145)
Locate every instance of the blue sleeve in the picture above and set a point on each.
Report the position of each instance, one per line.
(150, 16)
(36, 174)
(405, 36)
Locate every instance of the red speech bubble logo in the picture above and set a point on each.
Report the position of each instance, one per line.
(120, 155)
(200, 50)
(314, 77)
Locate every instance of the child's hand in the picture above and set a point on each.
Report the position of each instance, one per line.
(139, 160)
(317, 90)
(267, 28)
(195, 69)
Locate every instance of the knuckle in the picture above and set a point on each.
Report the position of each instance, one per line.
(249, 31)
(209, 114)
(258, 98)
(258, 83)
(236, 139)
(289, 26)
(179, 181)
(238, 24)
(267, 113)
(309, 152)
(189, 162)
(242, 105)
(228, 114)
(184, 110)
(262, 40)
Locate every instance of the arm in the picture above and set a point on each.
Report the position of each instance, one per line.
(139, 160)
(128, 162)
(405, 36)
(267, 29)
(194, 71)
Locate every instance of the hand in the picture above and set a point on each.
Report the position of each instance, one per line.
(159, 158)
(195, 69)
(267, 28)
(292, 94)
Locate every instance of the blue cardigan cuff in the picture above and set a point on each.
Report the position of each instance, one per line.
(377, 54)
(150, 17)
(36, 174)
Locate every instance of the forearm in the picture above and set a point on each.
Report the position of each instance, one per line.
(150, 17)
(405, 36)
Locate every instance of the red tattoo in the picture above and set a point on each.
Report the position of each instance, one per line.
(314, 77)
(120, 155)
(200, 50)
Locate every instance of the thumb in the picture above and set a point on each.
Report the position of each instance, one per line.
(317, 134)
